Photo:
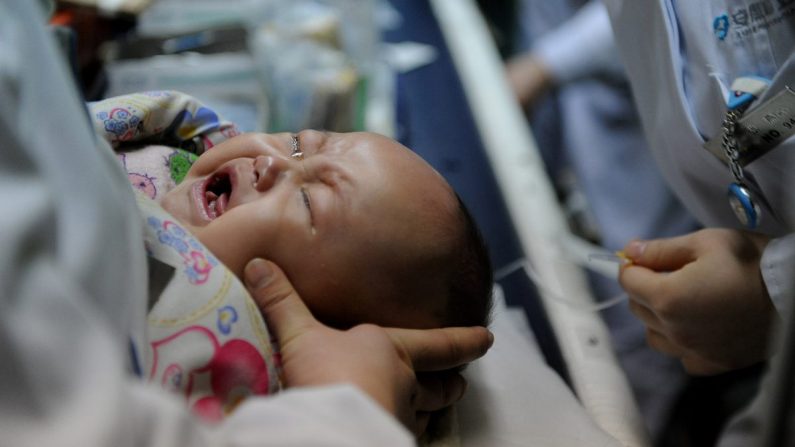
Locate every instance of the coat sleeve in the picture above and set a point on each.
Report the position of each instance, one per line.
(582, 46)
(778, 263)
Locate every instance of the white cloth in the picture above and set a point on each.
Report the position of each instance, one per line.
(778, 269)
(73, 288)
(582, 46)
(674, 60)
(515, 399)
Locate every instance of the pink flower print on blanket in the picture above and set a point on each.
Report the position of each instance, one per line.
(197, 260)
(143, 183)
(124, 124)
(140, 181)
(219, 376)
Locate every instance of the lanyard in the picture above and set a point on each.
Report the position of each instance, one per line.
(744, 91)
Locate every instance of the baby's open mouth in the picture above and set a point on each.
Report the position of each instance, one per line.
(217, 191)
(213, 194)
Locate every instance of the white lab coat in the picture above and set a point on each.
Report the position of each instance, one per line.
(680, 103)
(580, 47)
(678, 118)
(73, 288)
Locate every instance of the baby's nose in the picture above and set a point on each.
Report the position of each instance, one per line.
(268, 169)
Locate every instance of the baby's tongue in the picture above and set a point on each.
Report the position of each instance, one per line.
(221, 203)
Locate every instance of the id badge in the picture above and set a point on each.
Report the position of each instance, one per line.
(762, 129)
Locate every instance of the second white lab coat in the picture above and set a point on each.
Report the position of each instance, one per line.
(649, 37)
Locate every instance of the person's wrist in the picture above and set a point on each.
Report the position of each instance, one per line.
(529, 78)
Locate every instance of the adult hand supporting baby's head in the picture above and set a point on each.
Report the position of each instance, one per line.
(383, 362)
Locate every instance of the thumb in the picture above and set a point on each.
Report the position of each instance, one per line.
(661, 254)
(285, 313)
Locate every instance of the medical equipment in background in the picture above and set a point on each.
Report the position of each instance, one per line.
(265, 64)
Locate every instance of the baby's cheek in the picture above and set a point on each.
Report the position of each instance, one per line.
(237, 239)
(327, 296)
(176, 202)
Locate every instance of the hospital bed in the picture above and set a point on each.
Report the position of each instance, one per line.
(514, 398)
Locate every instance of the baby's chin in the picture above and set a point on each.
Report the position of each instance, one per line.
(223, 252)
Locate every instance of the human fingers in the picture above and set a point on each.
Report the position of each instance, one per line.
(658, 341)
(644, 285)
(438, 390)
(440, 349)
(662, 255)
(284, 311)
(646, 315)
(666, 302)
(699, 366)
(693, 363)
(421, 421)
